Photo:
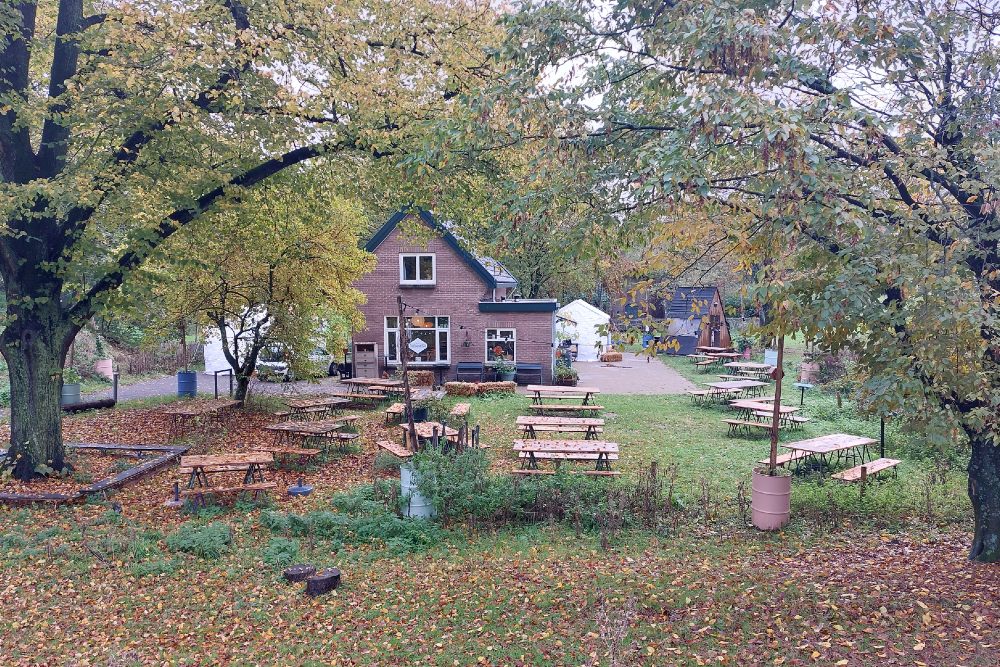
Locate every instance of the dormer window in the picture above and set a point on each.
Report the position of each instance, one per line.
(417, 269)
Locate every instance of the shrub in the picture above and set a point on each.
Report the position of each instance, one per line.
(461, 388)
(153, 567)
(281, 552)
(421, 378)
(208, 541)
(485, 388)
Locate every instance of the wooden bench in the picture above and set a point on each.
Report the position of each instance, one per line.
(524, 471)
(798, 420)
(304, 454)
(394, 411)
(862, 472)
(566, 408)
(460, 411)
(598, 473)
(705, 365)
(698, 396)
(569, 428)
(788, 457)
(235, 467)
(394, 448)
(283, 415)
(736, 424)
(567, 456)
(255, 488)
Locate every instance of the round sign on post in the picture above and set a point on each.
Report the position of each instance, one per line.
(417, 346)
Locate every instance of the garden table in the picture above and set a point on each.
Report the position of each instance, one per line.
(749, 387)
(426, 431)
(530, 451)
(286, 431)
(185, 412)
(540, 391)
(590, 426)
(841, 444)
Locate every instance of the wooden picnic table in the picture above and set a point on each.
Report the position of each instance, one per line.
(749, 365)
(200, 466)
(303, 430)
(751, 405)
(182, 414)
(560, 392)
(725, 355)
(362, 384)
(600, 451)
(531, 424)
(842, 444)
(746, 386)
(426, 431)
(317, 402)
(709, 348)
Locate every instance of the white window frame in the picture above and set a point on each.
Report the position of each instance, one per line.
(418, 281)
(387, 331)
(486, 339)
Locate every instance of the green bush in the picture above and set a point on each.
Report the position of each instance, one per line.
(208, 541)
(281, 552)
(152, 568)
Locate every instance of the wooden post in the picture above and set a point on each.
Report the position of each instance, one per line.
(407, 400)
(776, 410)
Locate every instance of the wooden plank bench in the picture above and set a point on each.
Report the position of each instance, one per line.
(864, 471)
(255, 488)
(567, 456)
(548, 407)
(283, 415)
(394, 448)
(285, 453)
(788, 457)
(525, 471)
(568, 428)
(698, 396)
(598, 473)
(394, 411)
(736, 424)
(460, 411)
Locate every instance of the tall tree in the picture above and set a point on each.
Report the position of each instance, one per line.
(851, 145)
(274, 270)
(122, 123)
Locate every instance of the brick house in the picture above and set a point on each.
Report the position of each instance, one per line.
(462, 307)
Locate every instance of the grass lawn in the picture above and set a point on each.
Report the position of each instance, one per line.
(878, 579)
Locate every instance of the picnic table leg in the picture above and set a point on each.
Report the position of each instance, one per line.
(603, 462)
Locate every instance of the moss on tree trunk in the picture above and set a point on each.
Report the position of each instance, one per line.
(984, 492)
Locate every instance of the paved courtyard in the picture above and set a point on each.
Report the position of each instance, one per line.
(632, 375)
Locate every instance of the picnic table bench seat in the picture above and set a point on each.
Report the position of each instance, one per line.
(547, 407)
(282, 415)
(788, 457)
(394, 411)
(290, 451)
(394, 448)
(598, 473)
(865, 470)
(735, 425)
(568, 456)
(255, 488)
(530, 471)
(460, 410)
(568, 428)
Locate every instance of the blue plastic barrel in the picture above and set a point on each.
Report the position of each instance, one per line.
(646, 338)
(187, 384)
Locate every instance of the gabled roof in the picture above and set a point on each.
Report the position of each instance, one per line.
(492, 272)
(691, 302)
(580, 304)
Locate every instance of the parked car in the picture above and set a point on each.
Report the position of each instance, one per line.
(272, 365)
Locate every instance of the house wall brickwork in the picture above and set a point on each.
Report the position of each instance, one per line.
(456, 294)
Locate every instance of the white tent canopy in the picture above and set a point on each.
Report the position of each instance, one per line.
(582, 323)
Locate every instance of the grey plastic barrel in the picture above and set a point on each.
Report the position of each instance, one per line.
(70, 394)
(187, 384)
(417, 506)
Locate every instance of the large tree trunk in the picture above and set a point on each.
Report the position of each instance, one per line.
(984, 492)
(35, 350)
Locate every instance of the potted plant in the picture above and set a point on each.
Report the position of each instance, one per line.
(103, 364)
(566, 375)
(504, 368)
(71, 387)
(745, 346)
(771, 493)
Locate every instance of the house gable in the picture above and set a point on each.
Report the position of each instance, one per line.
(492, 279)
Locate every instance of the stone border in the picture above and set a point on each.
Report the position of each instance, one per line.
(169, 453)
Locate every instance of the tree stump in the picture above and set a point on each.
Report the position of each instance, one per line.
(299, 573)
(323, 581)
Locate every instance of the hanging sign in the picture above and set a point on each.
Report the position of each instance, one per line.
(417, 346)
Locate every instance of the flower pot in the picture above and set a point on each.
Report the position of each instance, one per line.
(771, 500)
(70, 393)
(419, 414)
(187, 384)
(506, 377)
(566, 382)
(747, 353)
(105, 368)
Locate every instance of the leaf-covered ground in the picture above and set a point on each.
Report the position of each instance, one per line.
(855, 580)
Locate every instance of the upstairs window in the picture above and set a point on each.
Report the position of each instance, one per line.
(417, 269)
